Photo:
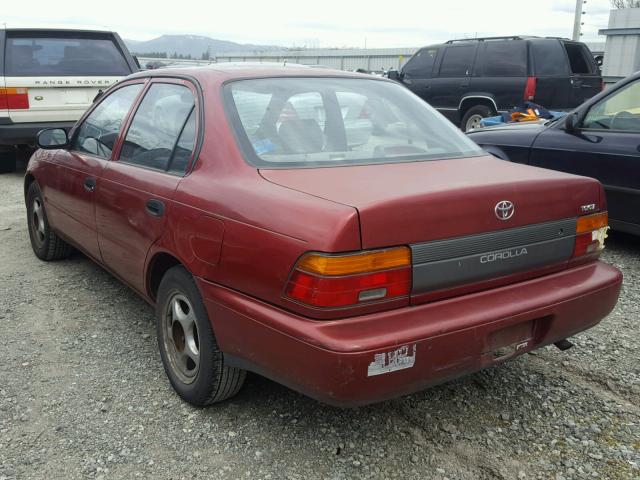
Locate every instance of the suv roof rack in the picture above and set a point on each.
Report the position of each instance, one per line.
(509, 37)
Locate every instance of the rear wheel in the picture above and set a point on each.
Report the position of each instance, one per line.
(472, 117)
(190, 354)
(46, 244)
(7, 161)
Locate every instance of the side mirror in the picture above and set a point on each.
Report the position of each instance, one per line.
(52, 138)
(571, 123)
(394, 75)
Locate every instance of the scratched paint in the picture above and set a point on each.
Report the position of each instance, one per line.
(399, 359)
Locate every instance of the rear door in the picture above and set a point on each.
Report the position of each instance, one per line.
(136, 189)
(553, 77)
(453, 78)
(501, 72)
(586, 80)
(417, 73)
(55, 75)
(605, 147)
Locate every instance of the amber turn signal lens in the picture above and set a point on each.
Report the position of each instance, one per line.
(589, 223)
(372, 261)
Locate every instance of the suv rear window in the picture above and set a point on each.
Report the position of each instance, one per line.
(503, 59)
(457, 61)
(549, 58)
(307, 122)
(577, 58)
(34, 56)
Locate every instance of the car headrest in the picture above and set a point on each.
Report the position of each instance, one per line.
(301, 136)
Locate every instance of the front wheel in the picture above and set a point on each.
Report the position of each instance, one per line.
(190, 354)
(46, 244)
(473, 117)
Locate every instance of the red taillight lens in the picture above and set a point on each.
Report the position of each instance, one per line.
(348, 280)
(530, 89)
(14, 98)
(591, 232)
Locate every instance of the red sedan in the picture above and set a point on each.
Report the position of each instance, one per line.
(327, 230)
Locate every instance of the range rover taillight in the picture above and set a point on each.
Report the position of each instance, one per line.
(591, 232)
(530, 89)
(14, 98)
(330, 280)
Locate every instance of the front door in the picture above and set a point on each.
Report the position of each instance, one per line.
(73, 186)
(607, 147)
(136, 190)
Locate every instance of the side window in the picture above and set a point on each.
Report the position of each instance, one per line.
(99, 131)
(503, 59)
(184, 147)
(458, 61)
(619, 112)
(577, 58)
(421, 64)
(161, 119)
(549, 58)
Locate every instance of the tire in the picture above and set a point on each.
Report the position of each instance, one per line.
(46, 244)
(190, 354)
(471, 118)
(8, 161)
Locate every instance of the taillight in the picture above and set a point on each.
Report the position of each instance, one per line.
(14, 98)
(324, 280)
(591, 232)
(530, 89)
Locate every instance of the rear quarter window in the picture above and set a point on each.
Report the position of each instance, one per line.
(549, 58)
(579, 60)
(503, 59)
(37, 55)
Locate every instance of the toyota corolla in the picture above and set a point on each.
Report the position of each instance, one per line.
(353, 270)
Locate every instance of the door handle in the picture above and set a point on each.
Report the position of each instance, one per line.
(89, 184)
(155, 207)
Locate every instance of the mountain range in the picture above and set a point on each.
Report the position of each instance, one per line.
(194, 45)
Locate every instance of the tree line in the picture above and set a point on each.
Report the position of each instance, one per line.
(205, 55)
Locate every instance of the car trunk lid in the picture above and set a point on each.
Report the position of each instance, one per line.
(451, 214)
(55, 98)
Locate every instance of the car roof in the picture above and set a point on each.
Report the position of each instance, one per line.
(231, 71)
(55, 28)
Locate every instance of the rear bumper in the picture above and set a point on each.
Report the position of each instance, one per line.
(379, 356)
(25, 133)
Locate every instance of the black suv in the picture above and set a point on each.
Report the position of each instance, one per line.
(469, 79)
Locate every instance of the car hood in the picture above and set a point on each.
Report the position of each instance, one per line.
(507, 127)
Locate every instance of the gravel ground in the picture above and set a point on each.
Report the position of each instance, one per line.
(83, 395)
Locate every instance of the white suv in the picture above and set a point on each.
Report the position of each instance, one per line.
(49, 77)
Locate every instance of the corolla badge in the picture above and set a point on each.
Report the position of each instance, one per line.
(504, 210)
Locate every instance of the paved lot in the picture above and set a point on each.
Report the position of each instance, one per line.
(83, 395)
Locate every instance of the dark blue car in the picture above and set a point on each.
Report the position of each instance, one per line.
(600, 139)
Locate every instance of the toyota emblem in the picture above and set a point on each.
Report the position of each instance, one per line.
(504, 210)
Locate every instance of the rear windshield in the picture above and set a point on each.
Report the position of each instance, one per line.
(305, 122)
(44, 56)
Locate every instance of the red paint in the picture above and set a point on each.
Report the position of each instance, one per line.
(240, 232)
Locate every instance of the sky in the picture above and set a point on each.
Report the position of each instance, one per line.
(322, 23)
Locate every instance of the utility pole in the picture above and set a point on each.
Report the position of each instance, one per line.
(577, 21)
